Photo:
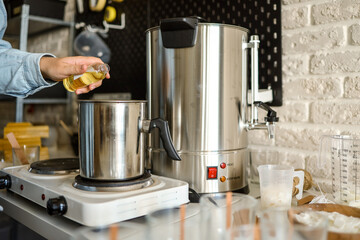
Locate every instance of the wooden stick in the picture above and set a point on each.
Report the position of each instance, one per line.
(257, 233)
(113, 232)
(291, 217)
(305, 200)
(182, 222)
(228, 209)
(18, 150)
(67, 129)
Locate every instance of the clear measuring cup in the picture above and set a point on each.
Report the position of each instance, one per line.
(259, 157)
(342, 153)
(276, 184)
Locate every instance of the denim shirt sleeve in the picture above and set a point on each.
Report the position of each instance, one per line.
(20, 71)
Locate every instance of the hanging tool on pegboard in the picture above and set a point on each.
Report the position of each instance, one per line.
(113, 11)
(110, 15)
(97, 5)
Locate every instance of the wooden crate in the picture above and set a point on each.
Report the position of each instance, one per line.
(26, 134)
(27, 131)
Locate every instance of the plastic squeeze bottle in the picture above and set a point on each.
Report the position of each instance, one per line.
(94, 73)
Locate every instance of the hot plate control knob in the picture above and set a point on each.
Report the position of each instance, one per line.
(5, 182)
(56, 206)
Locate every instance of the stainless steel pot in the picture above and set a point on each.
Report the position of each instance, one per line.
(112, 139)
(197, 80)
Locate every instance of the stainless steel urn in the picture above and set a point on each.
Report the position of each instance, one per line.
(197, 81)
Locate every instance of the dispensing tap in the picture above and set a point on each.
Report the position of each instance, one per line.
(271, 117)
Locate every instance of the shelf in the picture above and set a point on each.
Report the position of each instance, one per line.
(37, 25)
(45, 101)
(4, 98)
(27, 25)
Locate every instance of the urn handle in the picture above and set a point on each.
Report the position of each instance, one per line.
(165, 136)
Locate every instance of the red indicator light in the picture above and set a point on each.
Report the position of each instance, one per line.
(223, 165)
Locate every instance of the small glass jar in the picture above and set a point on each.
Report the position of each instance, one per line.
(94, 73)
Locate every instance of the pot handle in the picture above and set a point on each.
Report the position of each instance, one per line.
(179, 32)
(165, 137)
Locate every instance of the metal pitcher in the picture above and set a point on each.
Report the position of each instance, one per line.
(112, 139)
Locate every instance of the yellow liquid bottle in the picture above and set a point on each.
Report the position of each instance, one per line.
(94, 73)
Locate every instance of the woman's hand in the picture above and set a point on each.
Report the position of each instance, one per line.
(58, 69)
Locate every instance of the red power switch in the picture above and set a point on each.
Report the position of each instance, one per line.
(212, 172)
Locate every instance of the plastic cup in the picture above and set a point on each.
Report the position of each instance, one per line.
(243, 232)
(283, 224)
(276, 184)
(25, 154)
(221, 220)
(259, 157)
(275, 224)
(118, 231)
(174, 223)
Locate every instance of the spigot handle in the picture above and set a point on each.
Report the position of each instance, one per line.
(271, 114)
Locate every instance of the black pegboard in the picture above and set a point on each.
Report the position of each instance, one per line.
(265, 21)
(128, 63)
(128, 59)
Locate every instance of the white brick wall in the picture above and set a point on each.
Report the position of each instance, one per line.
(355, 34)
(339, 62)
(295, 65)
(337, 112)
(310, 41)
(313, 88)
(295, 17)
(321, 81)
(352, 87)
(335, 11)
